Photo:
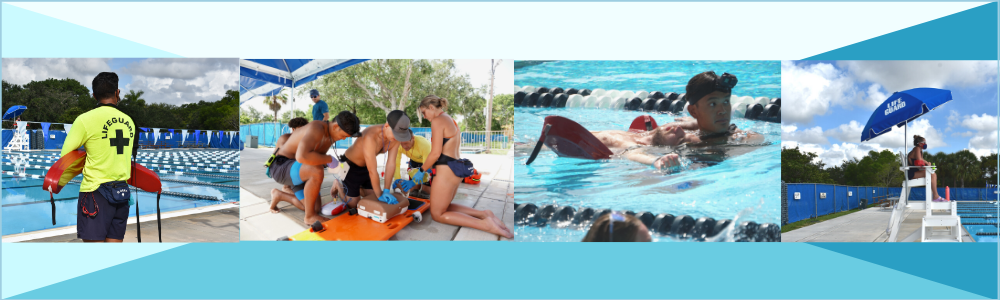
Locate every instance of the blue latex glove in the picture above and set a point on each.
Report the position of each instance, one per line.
(405, 185)
(419, 177)
(387, 197)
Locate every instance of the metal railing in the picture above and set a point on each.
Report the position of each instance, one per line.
(477, 141)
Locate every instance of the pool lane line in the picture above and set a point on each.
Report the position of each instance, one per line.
(38, 202)
(51, 232)
(201, 183)
(21, 187)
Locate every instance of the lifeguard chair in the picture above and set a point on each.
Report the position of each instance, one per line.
(946, 227)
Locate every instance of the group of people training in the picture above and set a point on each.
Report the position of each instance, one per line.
(301, 156)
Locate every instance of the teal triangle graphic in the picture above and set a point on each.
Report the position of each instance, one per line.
(970, 267)
(967, 35)
(249, 270)
(30, 266)
(29, 34)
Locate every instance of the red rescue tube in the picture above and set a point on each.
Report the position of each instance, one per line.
(642, 123)
(71, 165)
(145, 179)
(67, 167)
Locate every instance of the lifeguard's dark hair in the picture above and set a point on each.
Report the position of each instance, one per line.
(104, 85)
(699, 86)
(627, 231)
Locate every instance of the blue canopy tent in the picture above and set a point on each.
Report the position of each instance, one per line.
(267, 77)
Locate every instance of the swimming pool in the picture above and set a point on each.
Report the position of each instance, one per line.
(744, 187)
(190, 178)
(980, 220)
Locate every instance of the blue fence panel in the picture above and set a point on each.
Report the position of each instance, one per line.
(824, 206)
(852, 199)
(841, 200)
(804, 207)
(56, 139)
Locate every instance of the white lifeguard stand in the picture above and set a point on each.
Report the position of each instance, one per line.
(20, 141)
(946, 227)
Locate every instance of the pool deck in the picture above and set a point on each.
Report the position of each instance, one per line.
(214, 223)
(495, 193)
(864, 226)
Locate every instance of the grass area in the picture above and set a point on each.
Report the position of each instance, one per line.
(793, 226)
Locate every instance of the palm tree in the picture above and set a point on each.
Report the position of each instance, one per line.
(967, 165)
(274, 103)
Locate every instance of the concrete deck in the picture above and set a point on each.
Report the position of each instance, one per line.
(864, 226)
(216, 223)
(495, 193)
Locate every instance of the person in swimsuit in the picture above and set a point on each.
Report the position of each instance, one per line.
(444, 158)
(630, 144)
(362, 172)
(292, 125)
(917, 155)
(299, 163)
(618, 227)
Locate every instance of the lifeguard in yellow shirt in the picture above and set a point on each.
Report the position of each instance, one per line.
(417, 150)
(108, 135)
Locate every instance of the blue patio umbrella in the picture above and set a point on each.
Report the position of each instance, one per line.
(903, 107)
(14, 111)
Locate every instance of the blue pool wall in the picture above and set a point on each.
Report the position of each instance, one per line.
(265, 133)
(811, 205)
(56, 138)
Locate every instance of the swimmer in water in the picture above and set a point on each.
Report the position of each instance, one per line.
(618, 227)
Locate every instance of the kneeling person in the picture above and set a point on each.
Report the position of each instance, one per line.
(299, 163)
(362, 174)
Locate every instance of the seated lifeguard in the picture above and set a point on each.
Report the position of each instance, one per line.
(916, 158)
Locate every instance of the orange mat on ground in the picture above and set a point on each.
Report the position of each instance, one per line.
(351, 226)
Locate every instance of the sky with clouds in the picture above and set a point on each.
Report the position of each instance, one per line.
(163, 80)
(478, 71)
(828, 103)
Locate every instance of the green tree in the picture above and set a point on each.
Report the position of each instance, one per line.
(798, 167)
(373, 88)
(989, 167)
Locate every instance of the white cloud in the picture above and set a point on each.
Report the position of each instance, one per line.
(813, 89)
(922, 127)
(896, 75)
(850, 132)
(953, 120)
(809, 136)
(163, 80)
(985, 138)
(479, 74)
(180, 81)
(24, 70)
(875, 96)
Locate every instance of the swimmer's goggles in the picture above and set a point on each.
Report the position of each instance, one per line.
(725, 83)
(614, 217)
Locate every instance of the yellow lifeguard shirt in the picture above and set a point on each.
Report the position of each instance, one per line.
(107, 134)
(421, 148)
